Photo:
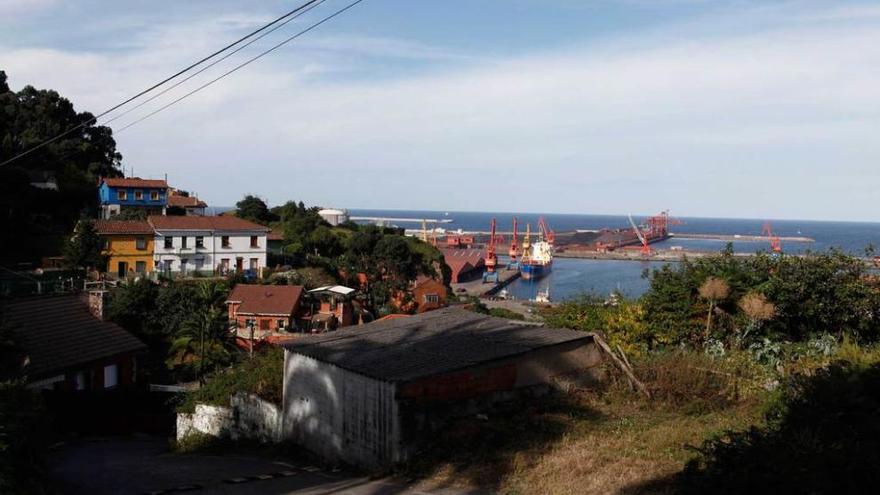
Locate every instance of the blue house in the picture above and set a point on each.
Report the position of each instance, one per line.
(117, 194)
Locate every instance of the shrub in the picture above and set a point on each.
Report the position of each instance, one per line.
(822, 436)
(622, 322)
(261, 376)
(506, 313)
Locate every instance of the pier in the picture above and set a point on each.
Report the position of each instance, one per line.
(739, 237)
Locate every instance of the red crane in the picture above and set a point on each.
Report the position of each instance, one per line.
(491, 258)
(514, 250)
(548, 234)
(775, 242)
(646, 243)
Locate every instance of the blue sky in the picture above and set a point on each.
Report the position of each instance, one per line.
(709, 108)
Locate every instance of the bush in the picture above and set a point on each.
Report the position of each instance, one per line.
(261, 376)
(23, 440)
(621, 321)
(506, 313)
(822, 436)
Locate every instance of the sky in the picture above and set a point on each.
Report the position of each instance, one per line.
(743, 109)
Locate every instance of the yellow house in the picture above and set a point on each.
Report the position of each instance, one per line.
(128, 246)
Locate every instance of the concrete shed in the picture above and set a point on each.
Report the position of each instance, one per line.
(369, 395)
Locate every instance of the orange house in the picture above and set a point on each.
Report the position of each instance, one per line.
(128, 246)
(269, 308)
(429, 294)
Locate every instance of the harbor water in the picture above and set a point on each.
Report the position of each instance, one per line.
(571, 278)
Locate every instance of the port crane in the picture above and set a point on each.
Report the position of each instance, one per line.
(513, 252)
(491, 274)
(646, 247)
(546, 233)
(775, 242)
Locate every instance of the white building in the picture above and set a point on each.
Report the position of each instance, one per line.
(333, 216)
(210, 245)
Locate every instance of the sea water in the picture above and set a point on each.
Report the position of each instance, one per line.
(573, 277)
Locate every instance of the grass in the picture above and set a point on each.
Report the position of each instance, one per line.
(602, 441)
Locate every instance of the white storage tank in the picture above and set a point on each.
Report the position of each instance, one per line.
(333, 216)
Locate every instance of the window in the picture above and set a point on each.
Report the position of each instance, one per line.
(264, 323)
(281, 324)
(224, 264)
(254, 240)
(183, 265)
(249, 322)
(183, 242)
(111, 376)
(105, 244)
(254, 263)
(154, 195)
(200, 242)
(138, 194)
(140, 243)
(224, 241)
(432, 299)
(122, 194)
(169, 242)
(200, 263)
(140, 266)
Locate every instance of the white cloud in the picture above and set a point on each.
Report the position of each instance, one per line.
(700, 124)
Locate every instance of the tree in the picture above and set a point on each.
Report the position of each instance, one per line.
(713, 290)
(254, 209)
(130, 214)
(84, 249)
(203, 341)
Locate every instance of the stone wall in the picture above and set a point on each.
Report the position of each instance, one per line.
(247, 417)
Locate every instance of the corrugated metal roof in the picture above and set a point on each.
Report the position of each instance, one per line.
(58, 333)
(405, 349)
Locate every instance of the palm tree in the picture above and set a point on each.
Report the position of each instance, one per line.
(204, 339)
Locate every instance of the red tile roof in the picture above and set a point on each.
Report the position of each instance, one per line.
(275, 235)
(59, 333)
(266, 299)
(135, 182)
(106, 227)
(461, 261)
(185, 201)
(160, 222)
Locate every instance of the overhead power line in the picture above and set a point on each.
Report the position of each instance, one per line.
(242, 65)
(160, 83)
(212, 64)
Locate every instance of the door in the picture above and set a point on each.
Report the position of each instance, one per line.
(122, 269)
(239, 264)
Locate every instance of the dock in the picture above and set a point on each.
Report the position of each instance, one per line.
(739, 237)
(476, 288)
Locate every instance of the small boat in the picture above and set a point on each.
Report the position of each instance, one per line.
(543, 296)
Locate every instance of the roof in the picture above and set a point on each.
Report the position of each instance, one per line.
(432, 343)
(59, 333)
(335, 289)
(275, 234)
(106, 227)
(185, 201)
(135, 182)
(162, 222)
(462, 260)
(266, 299)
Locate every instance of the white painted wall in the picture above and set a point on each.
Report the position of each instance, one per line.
(338, 414)
(213, 252)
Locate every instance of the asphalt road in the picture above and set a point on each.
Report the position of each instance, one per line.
(143, 465)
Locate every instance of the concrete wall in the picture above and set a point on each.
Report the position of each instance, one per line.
(338, 414)
(247, 417)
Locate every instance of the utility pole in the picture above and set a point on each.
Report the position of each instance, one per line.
(251, 339)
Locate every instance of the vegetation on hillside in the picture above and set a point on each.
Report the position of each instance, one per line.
(261, 375)
(43, 218)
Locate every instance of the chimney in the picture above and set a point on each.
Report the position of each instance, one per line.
(98, 300)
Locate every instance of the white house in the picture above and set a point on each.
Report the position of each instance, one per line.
(210, 245)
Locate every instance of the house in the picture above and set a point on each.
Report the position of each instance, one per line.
(275, 238)
(465, 264)
(334, 308)
(128, 246)
(428, 294)
(373, 395)
(117, 194)
(267, 308)
(190, 205)
(66, 345)
(215, 245)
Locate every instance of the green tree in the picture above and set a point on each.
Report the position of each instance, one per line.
(39, 217)
(254, 209)
(203, 341)
(83, 250)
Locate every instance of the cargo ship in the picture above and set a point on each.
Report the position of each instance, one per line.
(537, 259)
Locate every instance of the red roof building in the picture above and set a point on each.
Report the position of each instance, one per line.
(466, 264)
(269, 308)
(135, 182)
